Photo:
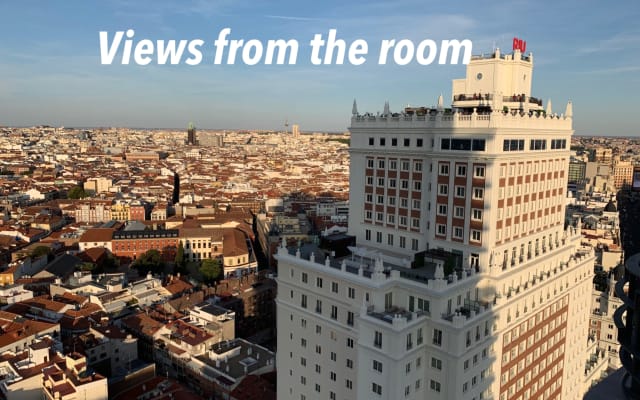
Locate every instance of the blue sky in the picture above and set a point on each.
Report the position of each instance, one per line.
(587, 51)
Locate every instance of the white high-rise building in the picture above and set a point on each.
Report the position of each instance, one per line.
(466, 283)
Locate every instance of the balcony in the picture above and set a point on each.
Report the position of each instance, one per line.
(394, 312)
(470, 309)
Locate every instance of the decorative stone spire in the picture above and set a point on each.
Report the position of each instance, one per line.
(439, 274)
(548, 110)
(386, 108)
(569, 111)
(440, 106)
(354, 108)
(378, 266)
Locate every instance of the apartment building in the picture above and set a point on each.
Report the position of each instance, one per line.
(465, 282)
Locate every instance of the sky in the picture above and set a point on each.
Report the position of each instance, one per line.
(586, 51)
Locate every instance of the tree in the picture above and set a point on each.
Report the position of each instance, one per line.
(108, 264)
(180, 256)
(40, 251)
(149, 261)
(86, 266)
(76, 192)
(211, 270)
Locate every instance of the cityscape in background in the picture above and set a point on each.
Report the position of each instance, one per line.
(469, 251)
(360, 223)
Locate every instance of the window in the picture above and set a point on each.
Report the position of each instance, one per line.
(403, 221)
(380, 182)
(334, 312)
(349, 384)
(371, 141)
(435, 385)
(393, 165)
(404, 184)
(334, 287)
(394, 141)
(351, 292)
(390, 238)
(377, 389)
(409, 341)
(436, 363)
(405, 165)
(407, 142)
(349, 318)
(379, 237)
(407, 368)
(418, 142)
(477, 214)
(417, 166)
(377, 341)
(349, 363)
(350, 343)
(437, 337)
(539, 144)
(415, 223)
(475, 235)
(513, 145)
(442, 209)
(369, 198)
(379, 216)
(377, 366)
(441, 229)
(367, 234)
(319, 282)
(419, 337)
(381, 164)
(319, 306)
(414, 244)
(417, 185)
(403, 240)
(458, 212)
(391, 219)
(416, 204)
(461, 170)
(460, 190)
(444, 169)
(458, 232)
(443, 190)
(333, 356)
(382, 141)
(404, 202)
(318, 329)
(478, 172)
(392, 183)
(478, 193)
(304, 277)
(303, 301)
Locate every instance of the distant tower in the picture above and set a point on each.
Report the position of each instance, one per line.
(286, 125)
(295, 129)
(191, 135)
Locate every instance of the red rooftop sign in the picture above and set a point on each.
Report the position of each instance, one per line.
(519, 44)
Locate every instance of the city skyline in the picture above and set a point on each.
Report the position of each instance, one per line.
(51, 72)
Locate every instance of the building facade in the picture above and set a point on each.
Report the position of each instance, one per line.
(465, 282)
(132, 244)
